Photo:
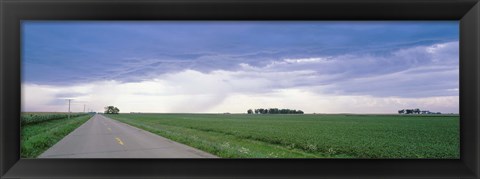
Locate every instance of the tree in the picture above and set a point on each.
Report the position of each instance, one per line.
(111, 110)
(271, 111)
(416, 111)
(262, 111)
(409, 111)
(250, 111)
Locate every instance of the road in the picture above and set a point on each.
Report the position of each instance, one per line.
(102, 137)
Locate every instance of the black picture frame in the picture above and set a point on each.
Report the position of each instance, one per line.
(12, 12)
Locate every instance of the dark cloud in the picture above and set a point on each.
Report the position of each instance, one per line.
(421, 71)
(415, 71)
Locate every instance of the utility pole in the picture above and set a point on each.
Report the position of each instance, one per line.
(69, 107)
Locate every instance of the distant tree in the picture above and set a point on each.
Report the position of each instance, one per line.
(416, 111)
(299, 112)
(250, 111)
(263, 111)
(111, 110)
(409, 111)
(271, 111)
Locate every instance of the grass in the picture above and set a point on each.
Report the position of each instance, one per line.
(308, 136)
(37, 138)
(33, 118)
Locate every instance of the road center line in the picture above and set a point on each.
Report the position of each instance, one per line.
(119, 140)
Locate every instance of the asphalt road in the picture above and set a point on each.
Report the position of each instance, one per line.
(102, 137)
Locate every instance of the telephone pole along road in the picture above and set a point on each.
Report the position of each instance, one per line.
(102, 137)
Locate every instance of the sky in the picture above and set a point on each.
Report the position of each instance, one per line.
(232, 66)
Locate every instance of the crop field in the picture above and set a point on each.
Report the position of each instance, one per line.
(40, 131)
(308, 136)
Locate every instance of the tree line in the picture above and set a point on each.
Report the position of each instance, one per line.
(274, 111)
(409, 111)
(416, 111)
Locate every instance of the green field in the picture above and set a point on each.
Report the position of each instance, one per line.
(308, 136)
(49, 128)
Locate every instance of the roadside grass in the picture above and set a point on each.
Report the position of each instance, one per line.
(307, 136)
(33, 118)
(37, 138)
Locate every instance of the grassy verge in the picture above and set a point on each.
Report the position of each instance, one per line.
(37, 138)
(33, 118)
(307, 136)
